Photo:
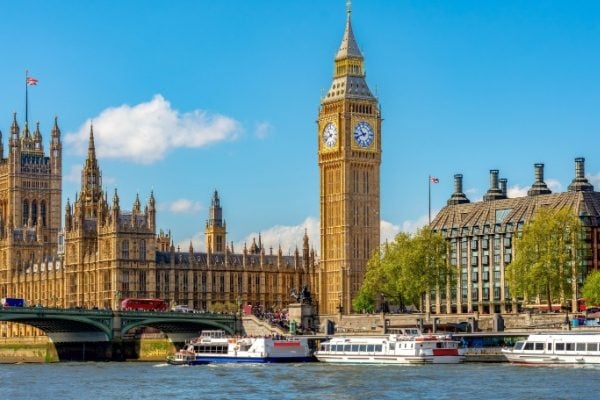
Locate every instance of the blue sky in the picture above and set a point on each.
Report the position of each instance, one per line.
(192, 96)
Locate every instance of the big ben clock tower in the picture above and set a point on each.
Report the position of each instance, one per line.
(349, 137)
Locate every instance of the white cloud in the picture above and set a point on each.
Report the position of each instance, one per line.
(144, 133)
(73, 175)
(517, 191)
(411, 226)
(289, 237)
(554, 185)
(184, 206)
(262, 129)
(595, 180)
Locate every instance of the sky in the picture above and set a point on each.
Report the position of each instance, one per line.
(188, 97)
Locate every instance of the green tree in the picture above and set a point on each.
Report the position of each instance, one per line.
(591, 289)
(406, 269)
(548, 256)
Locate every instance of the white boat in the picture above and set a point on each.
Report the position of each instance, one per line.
(556, 348)
(409, 346)
(216, 347)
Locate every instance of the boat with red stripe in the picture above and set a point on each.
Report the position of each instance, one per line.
(409, 346)
(215, 347)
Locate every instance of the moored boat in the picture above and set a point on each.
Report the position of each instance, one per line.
(409, 346)
(215, 347)
(556, 349)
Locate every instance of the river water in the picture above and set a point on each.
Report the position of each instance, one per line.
(136, 380)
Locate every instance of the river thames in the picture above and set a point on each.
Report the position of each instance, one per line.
(134, 380)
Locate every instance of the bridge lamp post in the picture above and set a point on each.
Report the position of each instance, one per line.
(117, 299)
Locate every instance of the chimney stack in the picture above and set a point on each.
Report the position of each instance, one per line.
(580, 183)
(494, 192)
(458, 197)
(503, 183)
(539, 186)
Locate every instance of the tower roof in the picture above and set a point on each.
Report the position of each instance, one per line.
(349, 73)
(348, 47)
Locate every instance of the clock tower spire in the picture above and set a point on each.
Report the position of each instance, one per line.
(349, 153)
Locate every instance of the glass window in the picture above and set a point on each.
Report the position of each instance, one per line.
(570, 346)
(363, 348)
(347, 347)
(378, 348)
(539, 346)
(592, 346)
(528, 346)
(580, 346)
(354, 348)
(370, 348)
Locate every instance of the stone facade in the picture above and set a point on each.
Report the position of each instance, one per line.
(349, 154)
(106, 254)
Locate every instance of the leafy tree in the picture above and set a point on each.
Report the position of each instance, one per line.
(364, 301)
(548, 255)
(591, 289)
(406, 269)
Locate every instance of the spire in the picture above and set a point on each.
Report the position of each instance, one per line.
(37, 137)
(349, 72)
(136, 203)
(14, 128)
(348, 47)
(91, 146)
(55, 128)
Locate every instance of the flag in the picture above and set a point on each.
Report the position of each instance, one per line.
(433, 179)
(31, 81)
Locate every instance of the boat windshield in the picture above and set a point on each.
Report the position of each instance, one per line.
(519, 345)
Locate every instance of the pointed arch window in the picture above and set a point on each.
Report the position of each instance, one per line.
(142, 250)
(25, 212)
(43, 212)
(34, 213)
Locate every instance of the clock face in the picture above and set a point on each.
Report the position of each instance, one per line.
(363, 134)
(330, 135)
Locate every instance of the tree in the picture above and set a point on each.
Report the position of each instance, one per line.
(406, 269)
(591, 289)
(548, 256)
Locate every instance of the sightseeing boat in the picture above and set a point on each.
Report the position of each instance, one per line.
(556, 349)
(409, 346)
(216, 347)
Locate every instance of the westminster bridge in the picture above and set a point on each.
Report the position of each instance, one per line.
(110, 334)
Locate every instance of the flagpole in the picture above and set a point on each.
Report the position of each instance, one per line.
(26, 98)
(429, 200)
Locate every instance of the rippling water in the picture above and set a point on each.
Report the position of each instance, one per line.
(99, 381)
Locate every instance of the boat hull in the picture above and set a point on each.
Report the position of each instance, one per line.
(391, 360)
(258, 360)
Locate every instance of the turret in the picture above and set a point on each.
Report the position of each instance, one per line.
(37, 138)
(56, 149)
(151, 212)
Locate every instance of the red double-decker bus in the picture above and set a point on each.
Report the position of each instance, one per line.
(144, 305)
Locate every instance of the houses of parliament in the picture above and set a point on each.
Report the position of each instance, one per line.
(106, 252)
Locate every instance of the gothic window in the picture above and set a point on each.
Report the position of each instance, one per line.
(125, 282)
(34, 212)
(142, 250)
(141, 281)
(125, 249)
(25, 212)
(43, 212)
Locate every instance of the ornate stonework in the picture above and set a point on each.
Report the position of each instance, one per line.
(349, 153)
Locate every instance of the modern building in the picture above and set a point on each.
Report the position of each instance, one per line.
(349, 156)
(481, 234)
